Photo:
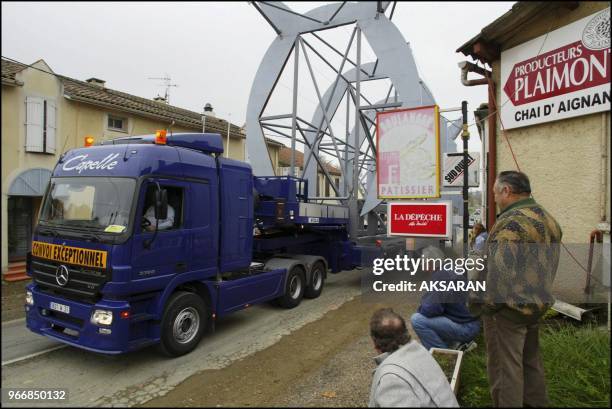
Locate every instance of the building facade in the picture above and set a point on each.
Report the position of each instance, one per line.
(567, 157)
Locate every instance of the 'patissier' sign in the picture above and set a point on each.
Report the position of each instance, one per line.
(408, 153)
(563, 74)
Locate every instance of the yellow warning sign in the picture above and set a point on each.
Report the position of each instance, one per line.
(70, 255)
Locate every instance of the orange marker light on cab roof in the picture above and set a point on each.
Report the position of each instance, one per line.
(160, 137)
(89, 140)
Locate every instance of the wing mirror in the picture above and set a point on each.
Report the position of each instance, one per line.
(161, 204)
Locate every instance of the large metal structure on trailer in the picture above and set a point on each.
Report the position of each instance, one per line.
(299, 37)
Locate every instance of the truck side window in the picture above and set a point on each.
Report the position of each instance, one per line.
(175, 209)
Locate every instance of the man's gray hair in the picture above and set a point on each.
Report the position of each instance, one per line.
(388, 330)
(433, 253)
(518, 182)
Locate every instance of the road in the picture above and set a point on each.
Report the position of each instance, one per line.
(126, 380)
(18, 343)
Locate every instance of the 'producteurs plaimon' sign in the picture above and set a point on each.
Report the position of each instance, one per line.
(420, 219)
(562, 74)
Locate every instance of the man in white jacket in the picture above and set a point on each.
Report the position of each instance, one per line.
(407, 375)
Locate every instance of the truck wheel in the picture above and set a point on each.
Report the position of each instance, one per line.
(317, 279)
(294, 288)
(183, 323)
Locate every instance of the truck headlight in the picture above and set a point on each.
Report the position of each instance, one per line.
(29, 298)
(102, 317)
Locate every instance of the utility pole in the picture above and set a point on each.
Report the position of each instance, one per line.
(465, 135)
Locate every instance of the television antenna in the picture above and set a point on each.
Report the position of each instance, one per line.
(167, 83)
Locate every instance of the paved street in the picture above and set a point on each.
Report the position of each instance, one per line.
(18, 343)
(140, 376)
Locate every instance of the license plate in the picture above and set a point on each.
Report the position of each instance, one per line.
(60, 307)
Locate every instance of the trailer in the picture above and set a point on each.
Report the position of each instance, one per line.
(107, 279)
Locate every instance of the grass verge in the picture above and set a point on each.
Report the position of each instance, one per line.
(576, 363)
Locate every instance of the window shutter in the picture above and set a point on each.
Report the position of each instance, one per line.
(34, 124)
(51, 126)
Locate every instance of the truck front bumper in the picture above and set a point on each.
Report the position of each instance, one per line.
(74, 326)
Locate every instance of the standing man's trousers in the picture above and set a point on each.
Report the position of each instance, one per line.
(514, 364)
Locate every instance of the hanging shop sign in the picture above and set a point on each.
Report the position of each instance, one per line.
(452, 176)
(408, 153)
(563, 74)
(420, 219)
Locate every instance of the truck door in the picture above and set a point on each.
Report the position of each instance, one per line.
(167, 252)
(204, 227)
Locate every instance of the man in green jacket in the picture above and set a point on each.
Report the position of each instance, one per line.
(523, 255)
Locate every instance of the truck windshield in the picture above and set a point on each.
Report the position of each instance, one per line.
(98, 203)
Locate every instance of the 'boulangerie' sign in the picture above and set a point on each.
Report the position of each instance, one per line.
(408, 153)
(560, 75)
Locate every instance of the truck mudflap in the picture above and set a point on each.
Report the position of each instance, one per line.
(69, 322)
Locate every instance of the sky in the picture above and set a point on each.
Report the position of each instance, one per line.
(211, 50)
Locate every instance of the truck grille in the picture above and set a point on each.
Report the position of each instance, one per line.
(84, 283)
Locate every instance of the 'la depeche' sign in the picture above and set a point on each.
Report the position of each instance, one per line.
(420, 219)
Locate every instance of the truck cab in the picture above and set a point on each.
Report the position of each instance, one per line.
(147, 240)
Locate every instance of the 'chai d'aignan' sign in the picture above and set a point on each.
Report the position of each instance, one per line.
(420, 219)
(408, 153)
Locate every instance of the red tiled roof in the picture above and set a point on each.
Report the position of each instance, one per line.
(9, 69)
(94, 94)
(109, 98)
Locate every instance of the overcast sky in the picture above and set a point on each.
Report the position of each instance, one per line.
(211, 50)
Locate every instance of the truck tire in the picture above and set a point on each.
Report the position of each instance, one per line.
(182, 326)
(294, 288)
(317, 280)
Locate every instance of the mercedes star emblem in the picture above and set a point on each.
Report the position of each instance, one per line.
(61, 275)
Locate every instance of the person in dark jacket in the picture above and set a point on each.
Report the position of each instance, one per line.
(443, 319)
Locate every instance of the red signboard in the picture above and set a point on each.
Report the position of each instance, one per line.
(420, 219)
(562, 74)
(563, 70)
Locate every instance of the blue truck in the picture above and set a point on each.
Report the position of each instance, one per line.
(149, 239)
